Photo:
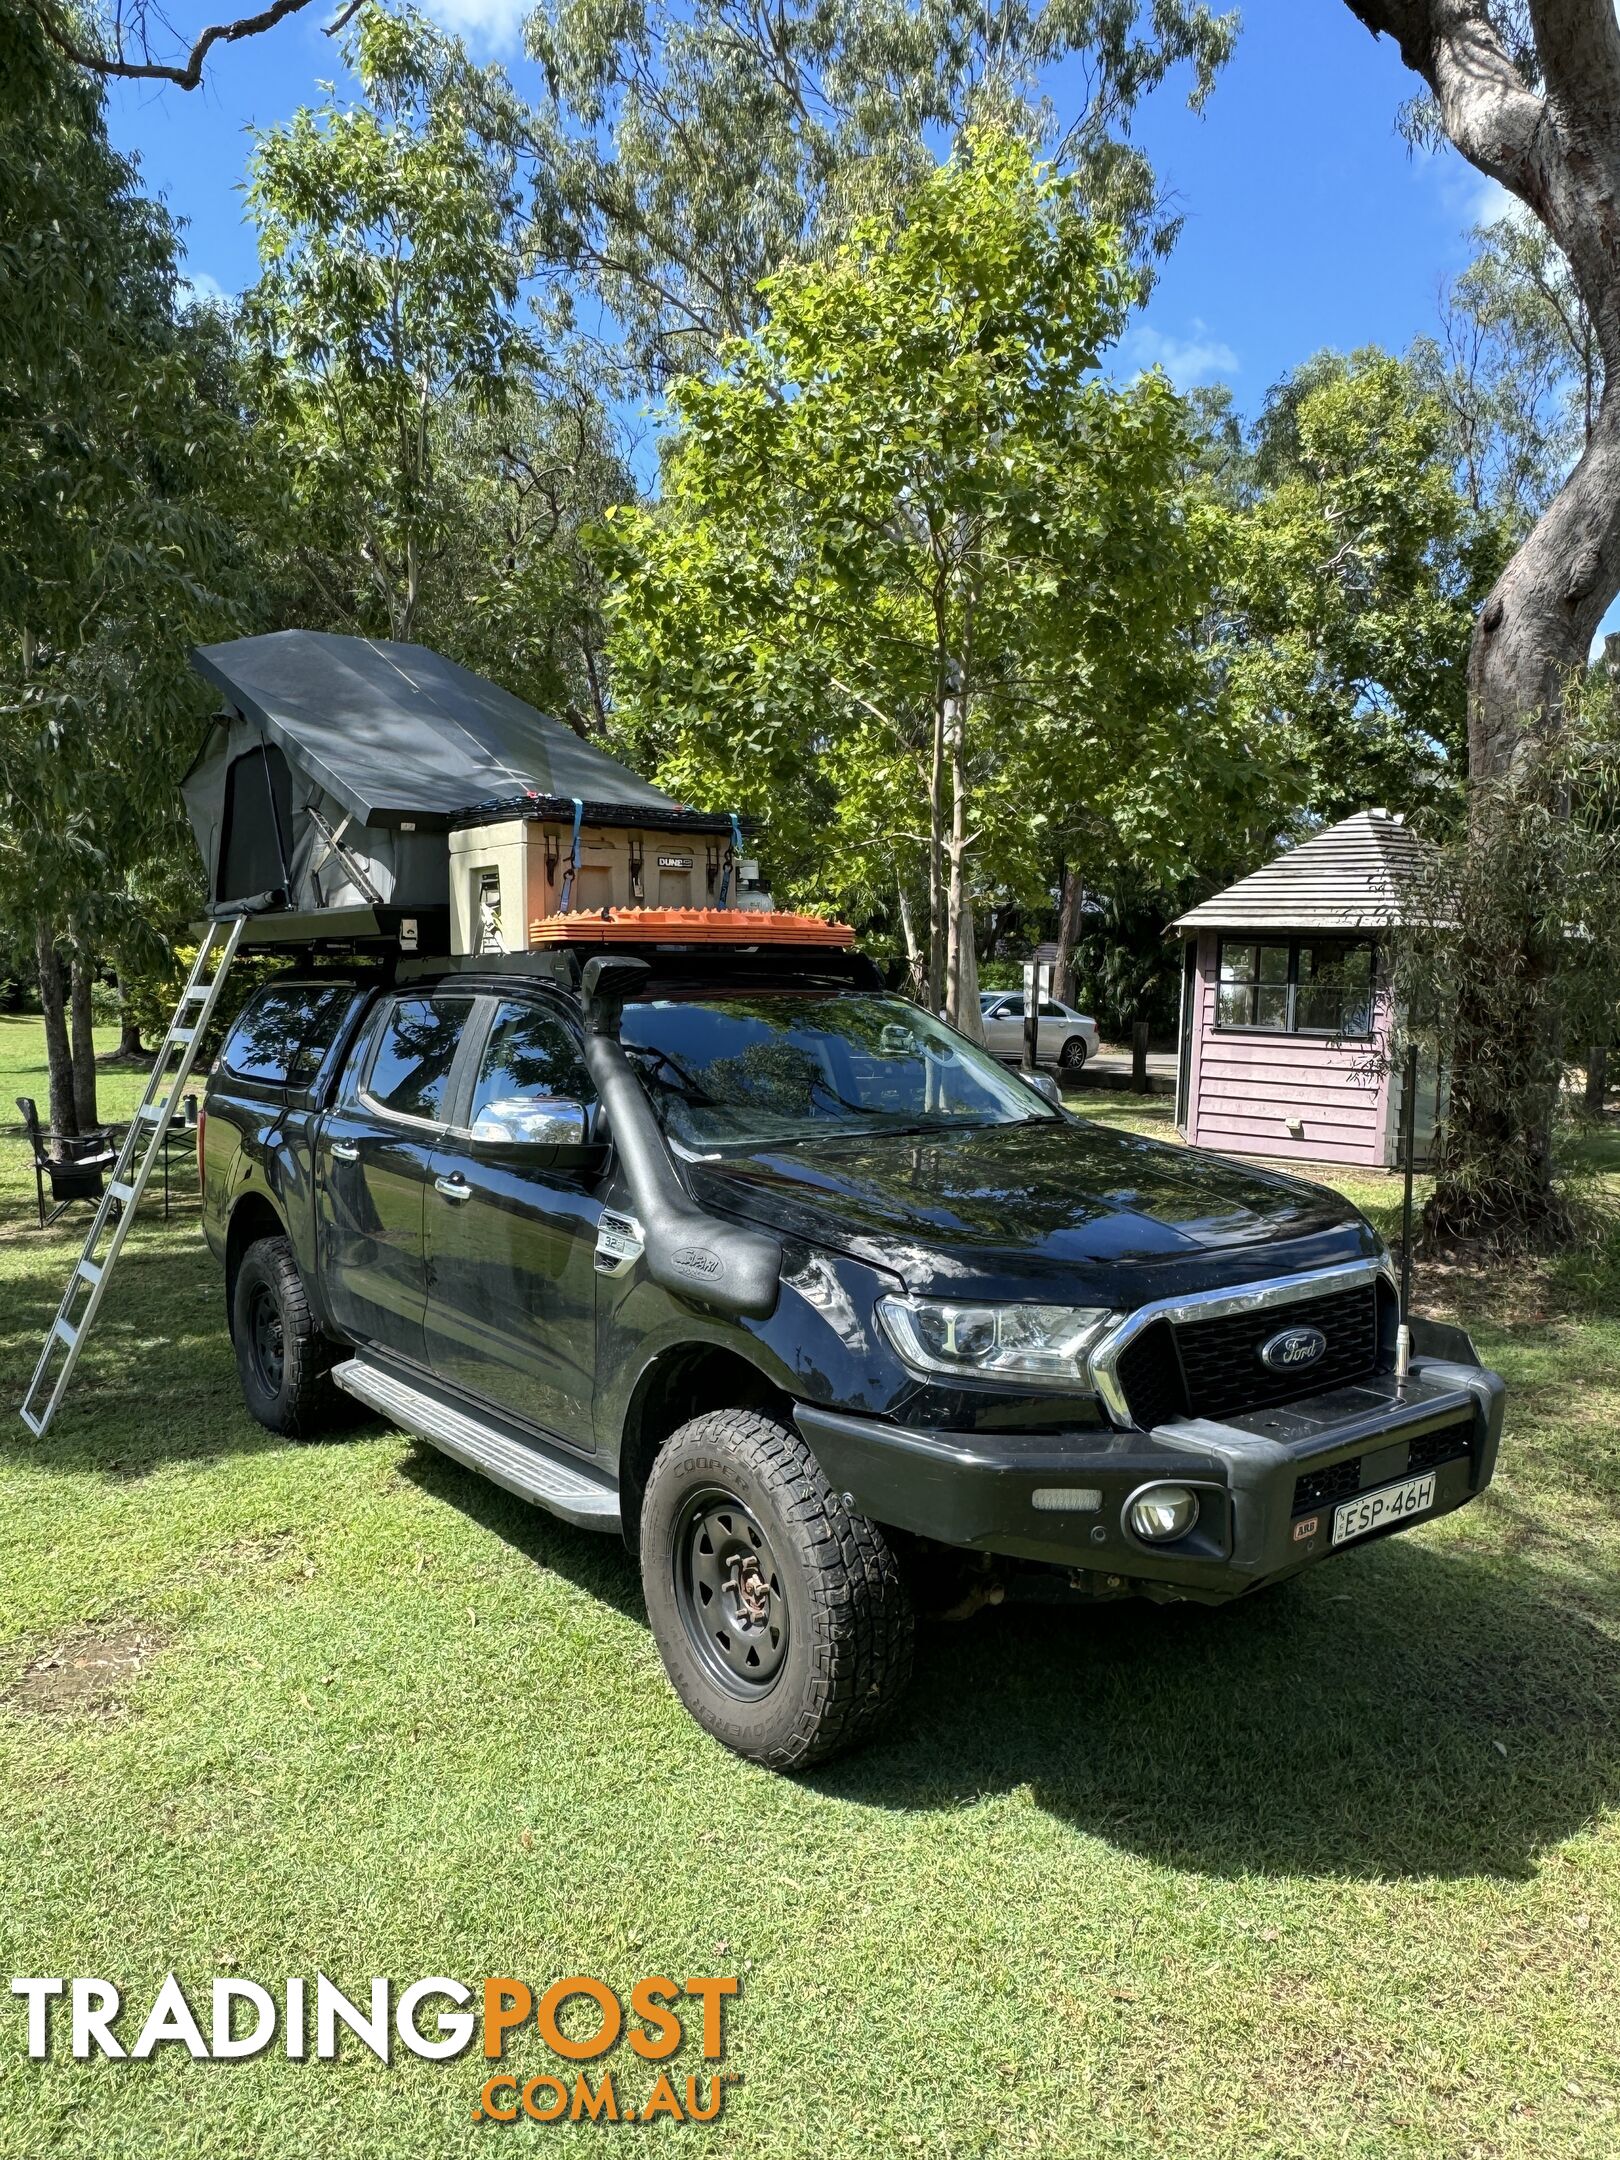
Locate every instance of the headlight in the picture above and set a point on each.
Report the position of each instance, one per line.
(1163, 1512)
(1043, 1344)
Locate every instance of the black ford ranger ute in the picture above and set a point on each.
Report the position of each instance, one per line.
(809, 1298)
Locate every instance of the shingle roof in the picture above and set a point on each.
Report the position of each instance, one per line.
(1349, 877)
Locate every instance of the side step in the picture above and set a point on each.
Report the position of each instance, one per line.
(578, 1495)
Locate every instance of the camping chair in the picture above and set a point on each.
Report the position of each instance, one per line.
(75, 1173)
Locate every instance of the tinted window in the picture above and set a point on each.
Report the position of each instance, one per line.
(786, 1067)
(530, 1052)
(410, 1073)
(283, 1035)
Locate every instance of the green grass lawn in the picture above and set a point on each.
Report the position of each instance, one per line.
(1335, 1872)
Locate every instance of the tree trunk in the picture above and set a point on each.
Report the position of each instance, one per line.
(1550, 134)
(962, 957)
(1071, 892)
(82, 1020)
(1535, 631)
(936, 862)
(63, 1116)
(129, 1037)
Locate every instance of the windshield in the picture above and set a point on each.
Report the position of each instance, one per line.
(804, 1064)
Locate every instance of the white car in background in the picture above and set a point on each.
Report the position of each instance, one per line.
(1066, 1037)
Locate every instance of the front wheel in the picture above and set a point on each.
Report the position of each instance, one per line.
(1073, 1054)
(779, 1612)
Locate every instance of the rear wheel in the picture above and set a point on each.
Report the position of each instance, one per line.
(1073, 1054)
(780, 1613)
(282, 1357)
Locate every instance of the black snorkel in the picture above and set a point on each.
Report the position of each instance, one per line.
(721, 1264)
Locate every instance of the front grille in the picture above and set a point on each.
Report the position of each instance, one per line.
(1150, 1374)
(1452, 1443)
(1322, 1488)
(1212, 1368)
(1342, 1480)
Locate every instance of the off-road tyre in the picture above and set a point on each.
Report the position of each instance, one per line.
(846, 1654)
(284, 1360)
(1073, 1054)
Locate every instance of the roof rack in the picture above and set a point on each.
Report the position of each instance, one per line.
(689, 926)
(677, 818)
(372, 930)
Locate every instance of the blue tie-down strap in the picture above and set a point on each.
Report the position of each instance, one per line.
(573, 860)
(733, 858)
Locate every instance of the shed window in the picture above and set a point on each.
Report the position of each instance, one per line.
(1296, 986)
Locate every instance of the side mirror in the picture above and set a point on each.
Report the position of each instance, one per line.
(533, 1121)
(1042, 1083)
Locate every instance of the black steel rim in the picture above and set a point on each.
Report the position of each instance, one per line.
(730, 1592)
(267, 1340)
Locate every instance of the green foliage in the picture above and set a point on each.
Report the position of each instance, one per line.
(908, 534)
(1519, 367)
(1510, 967)
(1126, 969)
(1356, 569)
(389, 300)
(689, 152)
(116, 551)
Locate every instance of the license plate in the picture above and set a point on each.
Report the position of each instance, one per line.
(1390, 1503)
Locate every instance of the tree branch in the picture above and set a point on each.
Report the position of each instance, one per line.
(185, 77)
(1559, 154)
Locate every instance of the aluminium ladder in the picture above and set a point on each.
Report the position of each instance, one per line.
(143, 1144)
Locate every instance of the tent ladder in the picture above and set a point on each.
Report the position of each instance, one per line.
(137, 1158)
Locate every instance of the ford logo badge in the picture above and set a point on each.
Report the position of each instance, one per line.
(1293, 1349)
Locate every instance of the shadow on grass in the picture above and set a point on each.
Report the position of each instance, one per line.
(1414, 1709)
(1410, 1711)
(592, 1560)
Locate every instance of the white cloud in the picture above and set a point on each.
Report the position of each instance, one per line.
(493, 24)
(1196, 358)
(199, 285)
(1492, 200)
(1470, 196)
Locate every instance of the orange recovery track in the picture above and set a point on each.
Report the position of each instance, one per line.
(688, 926)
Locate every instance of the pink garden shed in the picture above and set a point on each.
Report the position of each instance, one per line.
(1284, 1007)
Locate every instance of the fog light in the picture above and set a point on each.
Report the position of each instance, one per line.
(1163, 1512)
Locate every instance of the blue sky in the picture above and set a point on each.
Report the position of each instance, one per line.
(1308, 221)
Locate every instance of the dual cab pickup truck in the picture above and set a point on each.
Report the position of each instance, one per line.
(764, 1268)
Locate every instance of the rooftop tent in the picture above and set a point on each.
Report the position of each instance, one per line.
(340, 763)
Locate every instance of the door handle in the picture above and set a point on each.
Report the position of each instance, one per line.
(345, 1151)
(453, 1188)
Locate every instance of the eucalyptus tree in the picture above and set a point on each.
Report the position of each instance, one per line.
(1518, 363)
(389, 299)
(116, 547)
(689, 149)
(1529, 92)
(921, 581)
